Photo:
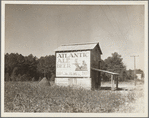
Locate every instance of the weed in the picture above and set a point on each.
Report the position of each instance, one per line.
(29, 97)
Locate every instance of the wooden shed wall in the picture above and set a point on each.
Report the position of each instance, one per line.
(95, 63)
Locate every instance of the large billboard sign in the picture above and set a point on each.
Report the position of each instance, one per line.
(73, 64)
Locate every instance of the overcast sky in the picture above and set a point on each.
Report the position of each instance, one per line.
(40, 29)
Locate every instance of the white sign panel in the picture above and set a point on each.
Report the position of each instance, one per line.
(73, 64)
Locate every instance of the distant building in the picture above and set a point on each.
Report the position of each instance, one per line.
(139, 76)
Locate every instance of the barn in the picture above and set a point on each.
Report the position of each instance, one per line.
(74, 63)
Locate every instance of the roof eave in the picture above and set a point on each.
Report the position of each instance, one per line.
(73, 50)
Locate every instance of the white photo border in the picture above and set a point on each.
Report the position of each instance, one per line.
(4, 114)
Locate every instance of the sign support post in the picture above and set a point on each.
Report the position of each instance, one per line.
(112, 82)
(117, 82)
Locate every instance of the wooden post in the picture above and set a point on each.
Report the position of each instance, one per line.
(112, 83)
(117, 82)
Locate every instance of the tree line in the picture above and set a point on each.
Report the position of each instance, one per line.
(114, 63)
(31, 68)
(28, 68)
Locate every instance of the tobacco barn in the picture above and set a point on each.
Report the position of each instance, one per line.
(74, 63)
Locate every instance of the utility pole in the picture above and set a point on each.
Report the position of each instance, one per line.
(135, 66)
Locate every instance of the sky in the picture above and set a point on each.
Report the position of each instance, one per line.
(40, 29)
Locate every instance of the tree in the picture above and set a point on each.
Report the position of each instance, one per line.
(14, 75)
(130, 74)
(10, 62)
(7, 78)
(46, 66)
(115, 63)
(16, 66)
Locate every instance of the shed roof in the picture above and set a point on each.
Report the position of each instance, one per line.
(80, 46)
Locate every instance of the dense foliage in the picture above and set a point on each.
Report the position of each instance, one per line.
(30, 68)
(115, 64)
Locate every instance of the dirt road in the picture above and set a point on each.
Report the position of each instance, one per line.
(137, 105)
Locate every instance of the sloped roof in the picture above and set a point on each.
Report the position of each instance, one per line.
(80, 46)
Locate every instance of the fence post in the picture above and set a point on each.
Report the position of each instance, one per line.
(112, 83)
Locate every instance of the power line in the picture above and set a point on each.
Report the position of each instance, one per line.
(117, 24)
(112, 24)
(108, 20)
(128, 19)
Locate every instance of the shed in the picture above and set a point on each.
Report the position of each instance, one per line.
(74, 63)
(139, 76)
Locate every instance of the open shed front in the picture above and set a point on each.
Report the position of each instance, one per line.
(114, 78)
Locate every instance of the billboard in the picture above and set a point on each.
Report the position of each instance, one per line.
(73, 64)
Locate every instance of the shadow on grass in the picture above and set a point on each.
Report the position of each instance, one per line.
(109, 88)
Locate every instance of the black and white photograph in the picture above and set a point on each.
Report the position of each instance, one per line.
(73, 59)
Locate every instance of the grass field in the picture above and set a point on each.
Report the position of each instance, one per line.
(29, 97)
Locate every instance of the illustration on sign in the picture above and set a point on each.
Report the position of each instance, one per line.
(79, 67)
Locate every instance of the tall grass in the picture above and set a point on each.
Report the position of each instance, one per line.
(29, 97)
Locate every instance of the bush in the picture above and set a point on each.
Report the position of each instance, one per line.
(25, 77)
(18, 78)
(33, 79)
